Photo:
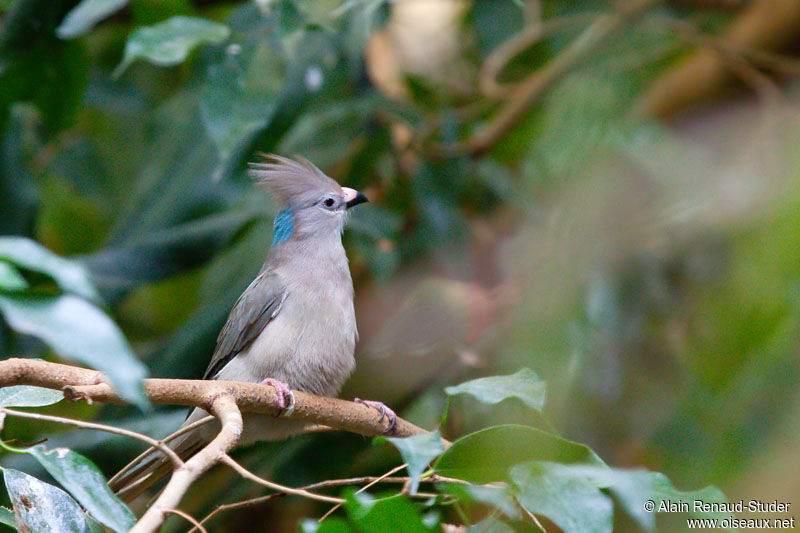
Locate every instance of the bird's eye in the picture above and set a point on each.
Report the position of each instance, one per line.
(328, 202)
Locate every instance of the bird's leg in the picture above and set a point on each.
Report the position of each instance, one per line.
(384, 411)
(285, 396)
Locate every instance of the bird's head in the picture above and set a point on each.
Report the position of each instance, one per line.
(313, 205)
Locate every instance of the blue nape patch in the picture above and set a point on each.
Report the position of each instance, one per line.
(283, 226)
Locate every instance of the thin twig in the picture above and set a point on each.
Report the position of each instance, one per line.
(245, 473)
(365, 487)
(176, 461)
(325, 484)
(533, 518)
(189, 518)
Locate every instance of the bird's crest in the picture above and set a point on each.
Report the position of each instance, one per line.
(295, 183)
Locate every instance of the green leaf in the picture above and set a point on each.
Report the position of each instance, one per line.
(395, 514)
(10, 278)
(486, 455)
(7, 517)
(28, 396)
(39, 506)
(571, 501)
(663, 490)
(78, 330)
(417, 451)
(84, 481)
(85, 15)
(330, 525)
(631, 488)
(524, 385)
(169, 43)
(240, 93)
(490, 525)
(497, 497)
(69, 275)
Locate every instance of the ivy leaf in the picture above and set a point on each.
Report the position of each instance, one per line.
(28, 396)
(7, 517)
(78, 330)
(84, 481)
(330, 525)
(495, 496)
(85, 15)
(69, 275)
(10, 278)
(524, 385)
(169, 43)
(664, 490)
(395, 513)
(486, 455)
(39, 506)
(489, 525)
(417, 451)
(571, 501)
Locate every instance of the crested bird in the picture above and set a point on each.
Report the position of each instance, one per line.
(294, 327)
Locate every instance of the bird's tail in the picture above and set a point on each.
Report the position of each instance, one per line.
(151, 467)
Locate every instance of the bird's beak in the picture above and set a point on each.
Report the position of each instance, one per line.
(352, 197)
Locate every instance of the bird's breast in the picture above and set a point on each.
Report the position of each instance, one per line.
(310, 343)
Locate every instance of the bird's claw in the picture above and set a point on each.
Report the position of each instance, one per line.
(285, 396)
(385, 412)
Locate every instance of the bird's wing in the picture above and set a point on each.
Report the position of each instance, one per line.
(254, 309)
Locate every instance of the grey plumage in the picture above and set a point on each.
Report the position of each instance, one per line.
(294, 323)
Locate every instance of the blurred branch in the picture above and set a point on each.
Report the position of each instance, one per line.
(527, 37)
(735, 59)
(227, 412)
(79, 383)
(523, 96)
(777, 63)
(765, 26)
(712, 4)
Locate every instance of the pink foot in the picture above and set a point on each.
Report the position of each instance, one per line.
(285, 396)
(385, 413)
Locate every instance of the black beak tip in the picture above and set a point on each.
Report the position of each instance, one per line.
(359, 199)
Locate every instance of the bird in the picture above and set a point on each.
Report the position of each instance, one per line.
(294, 327)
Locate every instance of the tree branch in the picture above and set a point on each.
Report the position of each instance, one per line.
(529, 91)
(245, 473)
(79, 383)
(224, 399)
(225, 409)
(435, 478)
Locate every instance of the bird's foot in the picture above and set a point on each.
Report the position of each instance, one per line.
(384, 411)
(285, 395)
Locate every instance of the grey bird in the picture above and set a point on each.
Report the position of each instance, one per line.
(294, 327)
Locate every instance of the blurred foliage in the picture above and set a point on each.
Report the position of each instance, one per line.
(647, 271)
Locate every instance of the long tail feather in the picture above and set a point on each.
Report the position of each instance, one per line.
(150, 468)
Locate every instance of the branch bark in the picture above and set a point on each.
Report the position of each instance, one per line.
(83, 384)
(225, 400)
(225, 409)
